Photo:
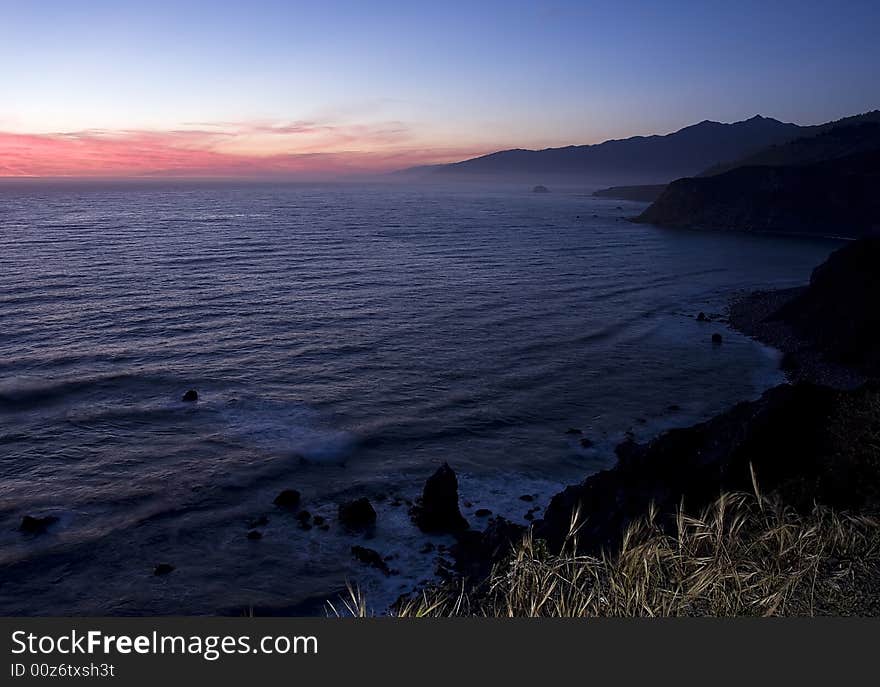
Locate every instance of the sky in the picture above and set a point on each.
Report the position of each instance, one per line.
(316, 89)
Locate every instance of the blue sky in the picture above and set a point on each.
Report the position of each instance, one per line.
(431, 78)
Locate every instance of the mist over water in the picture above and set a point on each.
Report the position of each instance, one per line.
(345, 340)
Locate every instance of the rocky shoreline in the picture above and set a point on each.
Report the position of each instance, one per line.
(754, 313)
(802, 441)
(813, 440)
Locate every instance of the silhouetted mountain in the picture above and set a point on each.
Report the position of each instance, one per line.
(636, 160)
(818, 143)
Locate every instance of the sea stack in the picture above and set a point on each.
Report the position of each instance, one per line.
(438, 510)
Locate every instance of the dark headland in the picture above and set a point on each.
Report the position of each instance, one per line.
(824, 184)
(642, 194)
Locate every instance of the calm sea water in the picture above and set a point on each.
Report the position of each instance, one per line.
(345, 340)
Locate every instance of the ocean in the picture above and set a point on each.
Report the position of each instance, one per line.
(345, 340)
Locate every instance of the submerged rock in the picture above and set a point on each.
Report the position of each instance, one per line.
(191, 396)
(716, 339)
(702, 317)
(289, 498)
(483, 513)
(573, 430)
(370, 557)
(258, 522)
(36, 525)
(586, 443)
(163, 569)
(438, 510)
(254, 535)
(304, 518)
(357, 514)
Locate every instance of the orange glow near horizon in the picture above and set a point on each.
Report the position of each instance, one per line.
(303, 149)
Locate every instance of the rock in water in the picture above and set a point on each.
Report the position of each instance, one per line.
(540, 189)
(303, 516)
(163, 569)
(370, 557)
(191, 396)
(438, 510)
(32, 525)
(358, 514)
(716, 339)
(289, 498)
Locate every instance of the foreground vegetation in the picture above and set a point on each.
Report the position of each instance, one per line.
(747, 554)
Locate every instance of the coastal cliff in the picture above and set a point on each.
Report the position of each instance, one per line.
(834, 198)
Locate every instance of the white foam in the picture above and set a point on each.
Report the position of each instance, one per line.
(284, 427)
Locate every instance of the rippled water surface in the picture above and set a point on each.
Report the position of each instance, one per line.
(345, 340)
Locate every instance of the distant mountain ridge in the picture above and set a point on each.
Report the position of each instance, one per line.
(821, 143)
(636, 160)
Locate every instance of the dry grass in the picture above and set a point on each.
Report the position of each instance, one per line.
(745, 555)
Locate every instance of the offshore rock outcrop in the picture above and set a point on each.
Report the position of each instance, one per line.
(35, 524)
(358, 514)
(438, 511)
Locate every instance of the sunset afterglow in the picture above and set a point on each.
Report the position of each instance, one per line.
(246, 150)
(279, 88)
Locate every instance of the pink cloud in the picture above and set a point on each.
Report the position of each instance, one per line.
(233, 149)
